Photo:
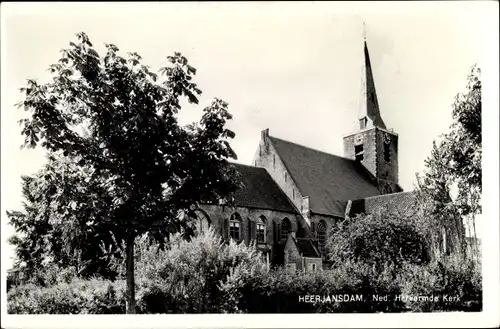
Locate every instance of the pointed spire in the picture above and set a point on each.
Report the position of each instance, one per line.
(364, 31)
(370, 112)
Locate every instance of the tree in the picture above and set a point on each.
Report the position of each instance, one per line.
(455, 164)
(117, 118)
(380, 239)
(62, 204)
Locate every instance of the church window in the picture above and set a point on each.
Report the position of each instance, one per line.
(387, 152)
(202, 222)
(274, 161)
(285, 177)
(286, 228)
(358, 151)
(293, 194)
(321, 231)
(235, 227)
(261, 229)
(313, 230)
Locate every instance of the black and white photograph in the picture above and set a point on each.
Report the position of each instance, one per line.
(240, 164)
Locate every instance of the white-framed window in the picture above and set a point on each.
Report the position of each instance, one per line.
(322, 236)
(235, 227)
(260, 231)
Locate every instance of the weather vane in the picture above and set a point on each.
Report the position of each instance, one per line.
(364, 30)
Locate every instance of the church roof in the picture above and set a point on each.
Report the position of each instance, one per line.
(259, 190)
(306, 248)
(327, 179)
(403, 202)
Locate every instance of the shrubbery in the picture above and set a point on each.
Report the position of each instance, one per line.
(381, 240)
(457, 283)
(284, 292)
(209, 276)
(190, 277)
(77, 297)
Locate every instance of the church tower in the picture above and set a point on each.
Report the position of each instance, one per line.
(373, 145)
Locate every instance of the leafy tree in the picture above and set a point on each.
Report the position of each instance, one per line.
(455, 163)
(118, 119)
(380, 239)
(60, 223)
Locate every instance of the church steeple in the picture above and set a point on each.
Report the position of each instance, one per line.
(369, 112)
(373, 145)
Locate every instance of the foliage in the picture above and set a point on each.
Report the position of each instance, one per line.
(46, 275)
(76, 297)
(447, 279)
(455, 164)
(117, 120)
(379, 239)
(208, 276)
(279, 291)
(190, 277)
(60, 224)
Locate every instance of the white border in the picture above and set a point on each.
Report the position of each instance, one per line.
(488, 318)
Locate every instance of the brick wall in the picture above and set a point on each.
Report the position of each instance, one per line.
(369, 149)
(317, 261)
(217, 214)
(292, 254)
(387, 170)
(373, 153)
(267, 157)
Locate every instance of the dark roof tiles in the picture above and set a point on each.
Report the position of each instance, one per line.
(259, 190)
(327, 179)
(306, 248)
(403, 202)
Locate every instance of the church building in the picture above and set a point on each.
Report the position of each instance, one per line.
(292, 195)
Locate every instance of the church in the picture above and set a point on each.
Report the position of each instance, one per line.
(292, 195)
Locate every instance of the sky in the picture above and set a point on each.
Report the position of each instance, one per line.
(293, 68)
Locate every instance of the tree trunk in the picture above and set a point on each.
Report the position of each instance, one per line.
(130, 275)
(474, 240)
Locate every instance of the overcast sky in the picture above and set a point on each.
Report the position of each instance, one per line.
(292, 68)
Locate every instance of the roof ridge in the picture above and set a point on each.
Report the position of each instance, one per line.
(386, 195)
(244, 165)
(313, 149)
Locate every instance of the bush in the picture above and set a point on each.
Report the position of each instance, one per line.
(456, 282)
(190, 277)
(206, 275)
(381, 240)
(77, 297)
(279, 291)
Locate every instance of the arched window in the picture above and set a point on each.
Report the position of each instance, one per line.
(286, 227)
(200, 221)
(235, 227)
(260, 231)
(203, 222)
(321, 231)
